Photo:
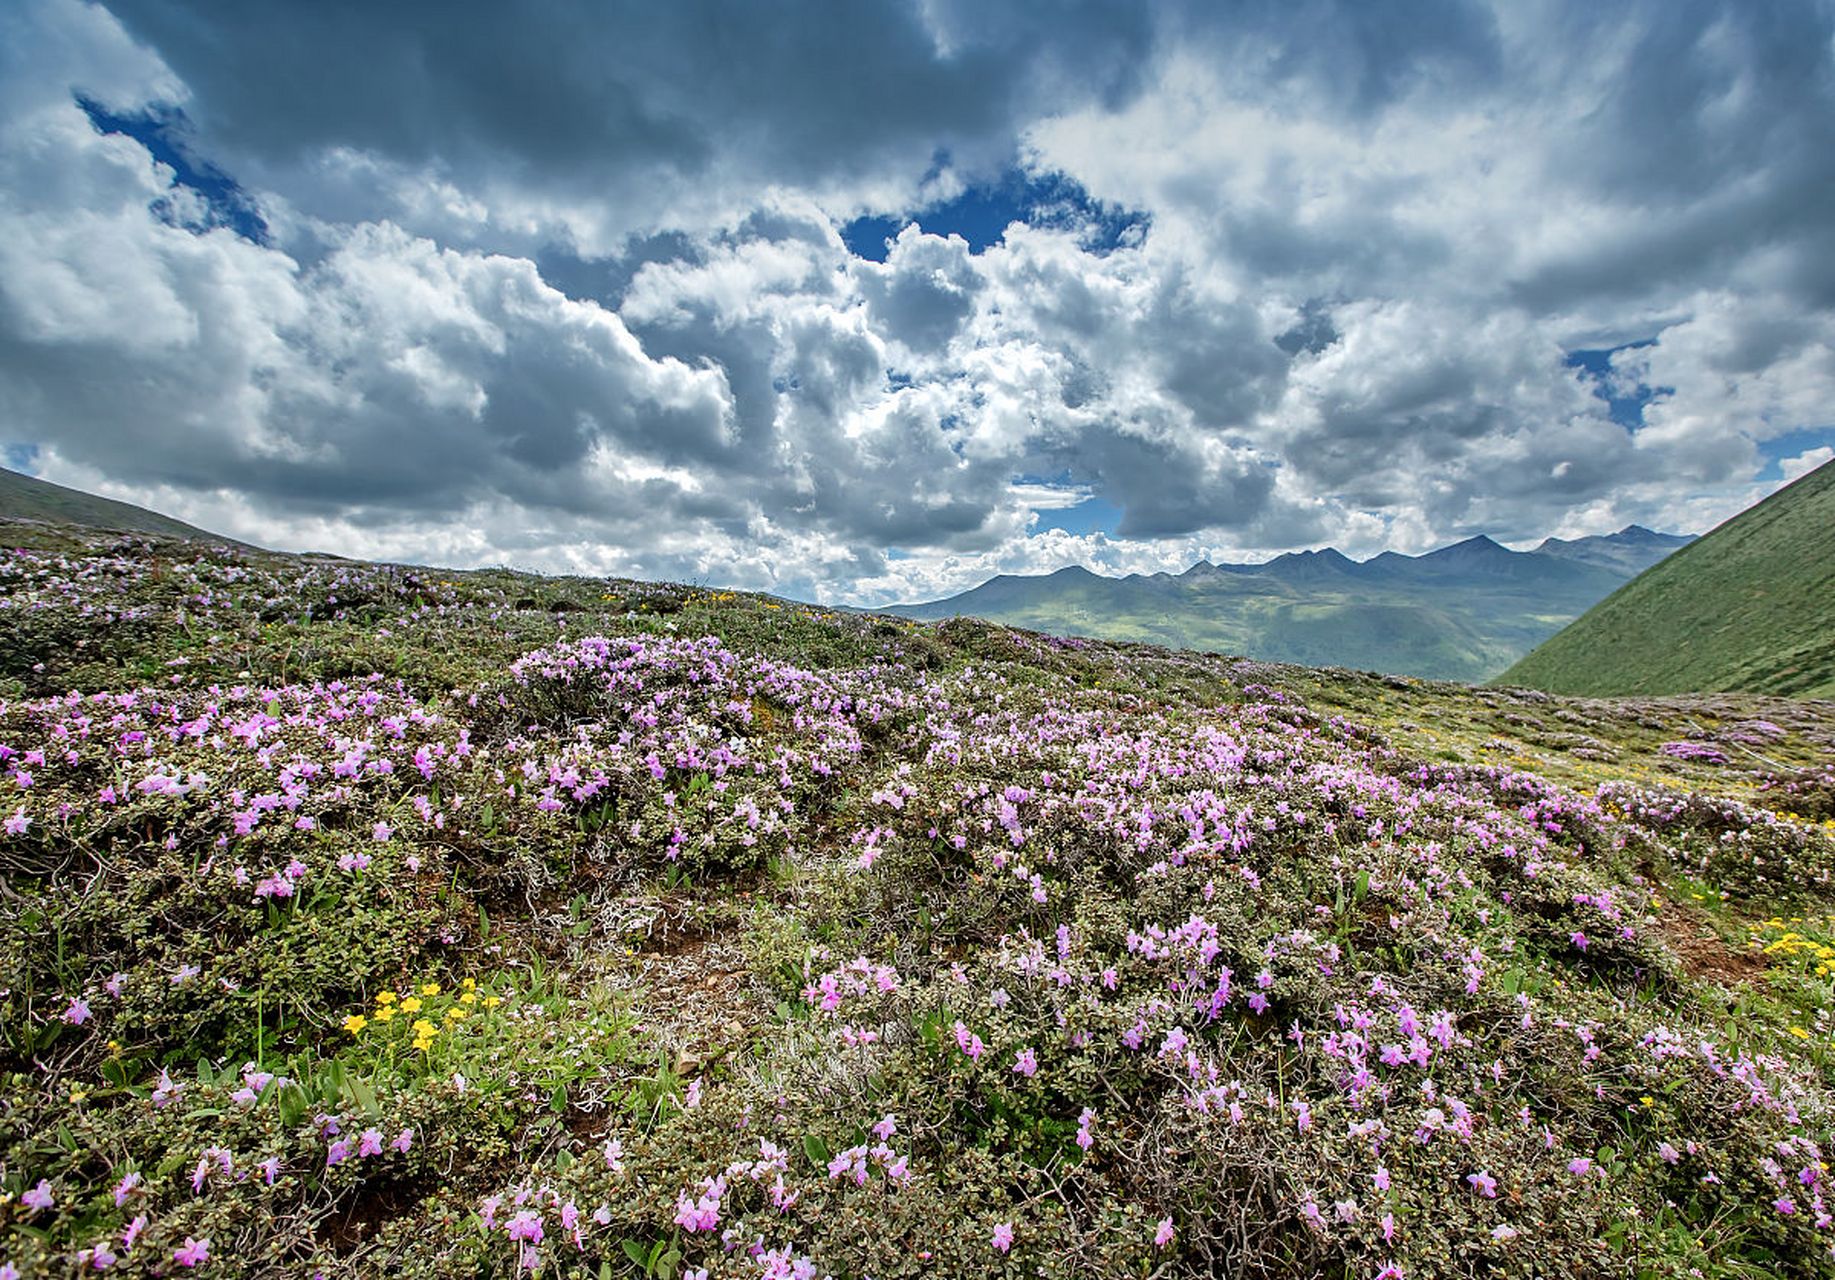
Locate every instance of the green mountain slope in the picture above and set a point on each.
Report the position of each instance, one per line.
(1748, 607)
(26, 498)
(1464, 612)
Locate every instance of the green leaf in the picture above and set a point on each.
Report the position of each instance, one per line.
(636, 1253)
(816, 1150)
(364, 1096)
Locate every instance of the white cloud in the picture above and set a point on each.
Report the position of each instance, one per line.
(1795, 468)
(586, 304)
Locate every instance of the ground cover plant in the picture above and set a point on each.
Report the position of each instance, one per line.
(360, 919)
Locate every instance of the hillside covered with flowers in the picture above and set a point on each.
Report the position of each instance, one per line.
(357, 919)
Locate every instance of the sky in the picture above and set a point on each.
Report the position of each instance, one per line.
(864, 302)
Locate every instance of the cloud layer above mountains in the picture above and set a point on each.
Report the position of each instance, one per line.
(587, 287)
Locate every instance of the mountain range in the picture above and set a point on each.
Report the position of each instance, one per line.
(1463, 612)
(1748, 607)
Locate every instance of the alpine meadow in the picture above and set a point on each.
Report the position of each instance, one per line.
(913, 640)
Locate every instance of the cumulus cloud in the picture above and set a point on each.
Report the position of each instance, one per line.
(572, 289)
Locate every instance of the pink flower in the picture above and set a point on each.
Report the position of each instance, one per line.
(1163, 1236)
(1483, 1183)
(404, 1141)
(1003, 1236)
(39, 1197)
(78, 1012)
(369, 1142)
(337, 1152)
(1026, 1063)
(192, 1252)
(526, 1225)
(125, 1188)
(17, 824)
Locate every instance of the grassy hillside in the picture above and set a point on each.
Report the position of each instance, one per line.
(1750, 606)
(358, 920)
(1462, 613)
(28, 498)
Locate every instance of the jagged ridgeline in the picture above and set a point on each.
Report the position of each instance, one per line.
(366, 920)
(1750, 606)
(1464, 612)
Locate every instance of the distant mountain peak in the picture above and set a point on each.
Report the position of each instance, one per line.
(1477, 546)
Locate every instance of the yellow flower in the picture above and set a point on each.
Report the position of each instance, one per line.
(455, 1014)
(411, 1005)
(1800, 1033)
(424, 1028)
(1648, 1101)
(470, 984)
(385, 997)
(355, 1023)
(491, 1002)
(470, 997)
(430, 989)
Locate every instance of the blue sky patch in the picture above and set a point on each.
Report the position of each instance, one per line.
(981, 215)
(20, 457)
(165, 132)
(1790, 445)
(1627, 411)
(1092, 515)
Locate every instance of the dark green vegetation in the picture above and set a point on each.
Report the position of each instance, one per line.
(27, 498)
(1750, 606)
(1461, 613)
(361, 920)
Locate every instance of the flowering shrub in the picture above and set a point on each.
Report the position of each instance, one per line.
(363, 920)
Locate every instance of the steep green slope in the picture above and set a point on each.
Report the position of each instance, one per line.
(26, 498)
(1749, 607)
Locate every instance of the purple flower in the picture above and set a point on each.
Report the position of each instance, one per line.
(1163, 1236)
(39, 1197)
(192, 1252)
(1003, 1236)
(1580, 1166)
(1483, 1183)
(369, 1142)
(78, 1012)
(1026, 1063)
(338, 1152)
(403, 1141)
